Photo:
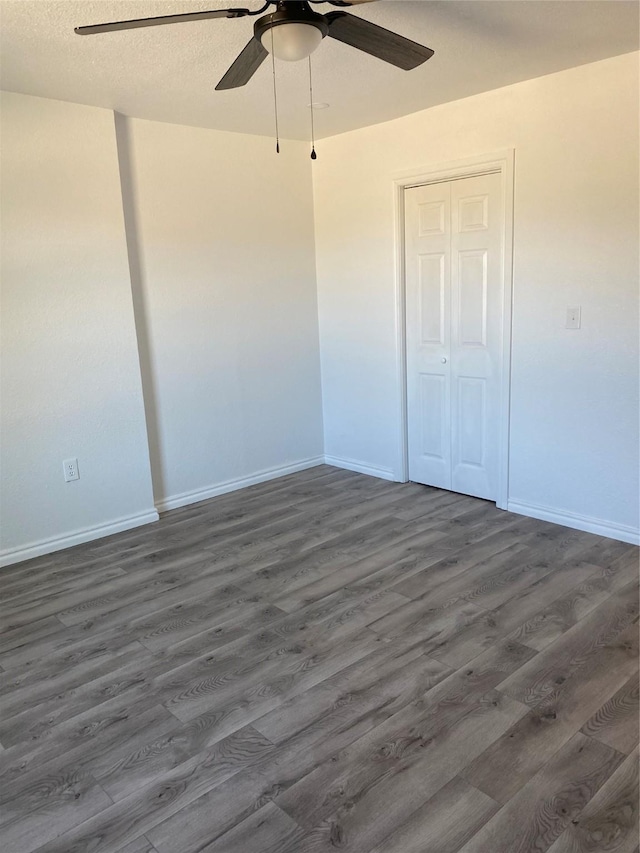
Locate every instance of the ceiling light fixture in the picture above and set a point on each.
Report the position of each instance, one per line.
(293, 31)
(292, 41)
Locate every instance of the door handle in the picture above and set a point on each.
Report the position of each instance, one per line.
(443, 360)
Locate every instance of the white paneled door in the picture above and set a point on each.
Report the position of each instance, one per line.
(454, 257)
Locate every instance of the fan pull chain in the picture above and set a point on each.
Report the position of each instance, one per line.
(313, 141)
(275, 93)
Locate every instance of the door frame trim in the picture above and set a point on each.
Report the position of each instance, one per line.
(502, 161)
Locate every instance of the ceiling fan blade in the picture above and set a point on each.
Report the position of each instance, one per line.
(377, 41)
(163, 19)
(245, 66)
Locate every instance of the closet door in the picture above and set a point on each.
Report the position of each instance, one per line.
(454, 257)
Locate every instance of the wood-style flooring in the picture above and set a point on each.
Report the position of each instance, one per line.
(323, 662)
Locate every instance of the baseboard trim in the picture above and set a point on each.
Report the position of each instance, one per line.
(176, 501)
(577, 522)
(360, 467)
(78, 537)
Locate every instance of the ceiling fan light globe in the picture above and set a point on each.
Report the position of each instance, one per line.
(292, 41)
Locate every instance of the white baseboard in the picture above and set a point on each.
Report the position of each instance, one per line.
(78, 537)
(577, 522)
(198, 495)
(360, 467)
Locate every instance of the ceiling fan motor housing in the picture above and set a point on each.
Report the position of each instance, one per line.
(291, 13)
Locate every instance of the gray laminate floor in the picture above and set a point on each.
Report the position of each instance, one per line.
(324, 662)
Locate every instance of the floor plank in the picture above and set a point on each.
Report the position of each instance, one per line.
(540, 812)
(505, 766)
(140, 845)
(539, 678)
(412, 753)
(392, 776)
(616, 723)
(444, 823)
(609, 822)
(268, 830)
(35, 810)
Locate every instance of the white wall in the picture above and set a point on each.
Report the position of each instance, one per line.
(574, 416)
(224, 280)
(70, 379)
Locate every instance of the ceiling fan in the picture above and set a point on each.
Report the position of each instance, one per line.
(292, 32)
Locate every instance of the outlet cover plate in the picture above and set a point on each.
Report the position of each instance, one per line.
(70, 468)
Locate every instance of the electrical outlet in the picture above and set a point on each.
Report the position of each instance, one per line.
(573, 318)
(70, 467)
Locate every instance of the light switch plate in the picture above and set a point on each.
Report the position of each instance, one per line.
(573, 318)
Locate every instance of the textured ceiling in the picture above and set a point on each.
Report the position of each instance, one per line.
(169, 73)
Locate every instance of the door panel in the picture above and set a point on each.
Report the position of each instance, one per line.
(476, 339)
(433, 408)
(471, 411)
(428, 333)
(454, 274)
(431, 217)
(472, 298)
(431, 307)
